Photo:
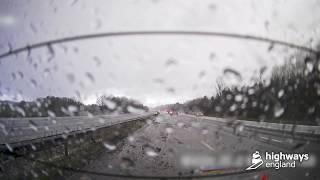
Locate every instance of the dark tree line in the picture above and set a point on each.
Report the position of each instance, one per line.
(62, 106)
(291, 96)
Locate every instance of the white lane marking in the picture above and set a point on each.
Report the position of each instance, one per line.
(207, 145)
(275, 140)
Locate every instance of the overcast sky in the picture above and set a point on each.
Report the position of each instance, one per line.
(155, 69)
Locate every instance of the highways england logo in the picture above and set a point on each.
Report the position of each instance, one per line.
(276, 160)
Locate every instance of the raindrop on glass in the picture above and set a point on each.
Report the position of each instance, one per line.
(232, 76)
(33, 28)
(8, 146)
(171, 62)
(158, 80)
(90, 77)
(51, 114)
(238, 97)
(212, 56)
(151, 151)
(131, 138)
(97, 60)
(278, 110)
(33, 125)
(33, 83)
(14, 77)
(72, 109)
(109, 146)
(70, 77)
(46, 72)
(171, 90)
(20, 74)
(202, 74)
(280, 93)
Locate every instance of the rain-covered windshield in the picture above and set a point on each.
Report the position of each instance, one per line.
(151, 89)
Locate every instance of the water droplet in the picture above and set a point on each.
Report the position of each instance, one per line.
(35, 66)
(271, 47)
(266, 25)
(75, 49)
(14, 77)
(171, 90)
(70, 77)
(46, 128)
(44, 172)
(278, 110)
(20, 74)
(238, 97)
(97, 60)
(3, 128)
(109, 146)
(72, 109)
(51, 114)
(232, 76)
(131, 138)
(280, 93)
(46, 72)
(171, 62)
(102, 121)
(109, 103)
(309, 66)
(38, 104)
(74, 2)
(10, 48)
(212, 7)
(90, 77)
(34, 174)
(151, 151)
(33, 83)
(212, 56)
(33, 125)
(218, 108)
(251, 91)
(8, 146)
(202, 74)
(20, 111)
(233, 107)
(33, 147)
(33, 28)
(311, 110)
(51, 52)
(238, 128)
(90, 115)
(158, 80)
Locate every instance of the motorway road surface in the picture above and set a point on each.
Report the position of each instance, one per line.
(183, 145)
(16, 130)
